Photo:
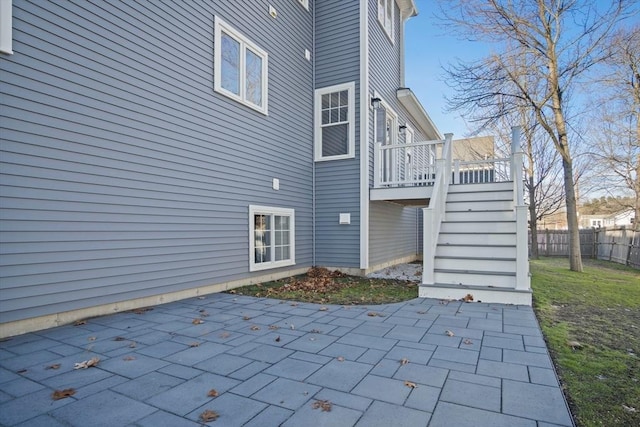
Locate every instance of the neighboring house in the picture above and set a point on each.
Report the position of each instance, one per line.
(154, 151)
(623, 218)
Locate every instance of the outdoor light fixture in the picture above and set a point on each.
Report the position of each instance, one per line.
(375, 102)
(402, 129)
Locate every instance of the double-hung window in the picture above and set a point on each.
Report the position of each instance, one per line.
(335, 122)
(386, 14)
(271, 237)
(240, 67)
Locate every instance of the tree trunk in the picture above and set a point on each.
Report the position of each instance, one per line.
(575, 257)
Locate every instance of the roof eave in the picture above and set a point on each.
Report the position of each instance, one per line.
(408, 99)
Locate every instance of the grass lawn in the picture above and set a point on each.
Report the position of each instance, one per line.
(591, 322)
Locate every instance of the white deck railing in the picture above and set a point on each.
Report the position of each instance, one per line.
(401, 165)
(481, 171)
(434, 213)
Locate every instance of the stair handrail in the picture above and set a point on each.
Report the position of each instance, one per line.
(434, 213)
(522, 256)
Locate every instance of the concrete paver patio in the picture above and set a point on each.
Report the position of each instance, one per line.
(270, 361)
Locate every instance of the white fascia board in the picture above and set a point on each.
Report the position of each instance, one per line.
(417, 111)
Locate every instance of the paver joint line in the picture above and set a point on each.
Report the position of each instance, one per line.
(426, 362)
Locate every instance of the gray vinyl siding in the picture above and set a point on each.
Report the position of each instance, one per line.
(337, 54)
(123, 174)
(392, 228)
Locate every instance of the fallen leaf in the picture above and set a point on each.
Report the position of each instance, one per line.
(194, 344)
(79, 322)
(21, 371)
(629, 409)
(315, 331)
(128, 358)
(197, 321)
(340, 358)
(224, 335)
(292, 326)
(422, 312)
(213, 393)
(467, 341)
(62, 394)
(87, 363)
(246, 318)
(404, 361)
(294, 304)
(323, 309)
(203, 313)
(325, 405)
(372, 314)
(209, 415)
(575, 345)
(278, 338)
(410, 384)
(201, 297)
(274, 327)
(468, 298)
(449, 333)
(91, 338)
(119, 339)
(54, 366)
(255, 328)
(132, 345)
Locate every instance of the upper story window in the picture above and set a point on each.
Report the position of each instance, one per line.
(305, 3)
(272, 237)
(386, 14)
(240, 68)
(335, 122)
(6, 27)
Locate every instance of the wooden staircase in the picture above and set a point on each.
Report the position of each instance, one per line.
(477, 246)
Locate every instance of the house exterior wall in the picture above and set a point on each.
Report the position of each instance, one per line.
(398, 240)
(337, 182)
(123, 173)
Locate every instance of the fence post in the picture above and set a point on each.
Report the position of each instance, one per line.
(613, 244)
(546, 241)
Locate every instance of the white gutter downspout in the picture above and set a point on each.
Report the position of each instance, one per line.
(364, 134)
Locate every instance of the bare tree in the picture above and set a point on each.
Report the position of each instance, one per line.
(616, 120)
(553, 43)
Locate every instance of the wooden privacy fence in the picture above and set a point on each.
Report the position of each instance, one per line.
(617, 244)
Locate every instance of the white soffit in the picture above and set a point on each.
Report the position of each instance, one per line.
(417, 111)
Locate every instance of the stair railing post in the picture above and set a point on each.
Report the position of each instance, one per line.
(516, 165)
(376, 165)
(428, 253)
(523, 280)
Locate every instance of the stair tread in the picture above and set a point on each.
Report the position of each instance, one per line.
(479, 287)
(475, 258)
(477, 245)
(456, 221)
(477, 272)
(480, 200)
(478, 210)
(478, 232)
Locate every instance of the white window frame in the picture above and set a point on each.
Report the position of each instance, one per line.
(6, 27)
(304, 3)
(387, 22)
(272, 211)
(351, 121)
(245, 44)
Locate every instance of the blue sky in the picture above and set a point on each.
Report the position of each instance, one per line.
(428, 48)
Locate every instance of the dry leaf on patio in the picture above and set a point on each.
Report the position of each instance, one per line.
(292, 326)
(197, 321)
(62, 394)
(79, 322)
(255, 328)
(467, 298)
(203, 313)
(325, 405)
(372, 314)
(294, 304)
(128, 358)
(404, 361)
(91, 338)
(141, 310)
(467, 341)
(315, 331)
(278, 338)
(213, 393)
(54, 366)
(422, 312)
(449, 333)
(209, 415)
(274, 327)
(204, 297)
(194, 344)
(87, 363)
(410, 384)
(340, 359)
(323, 308)
(224, 335)
(119, 339)
(246, 318)
(133, 344)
